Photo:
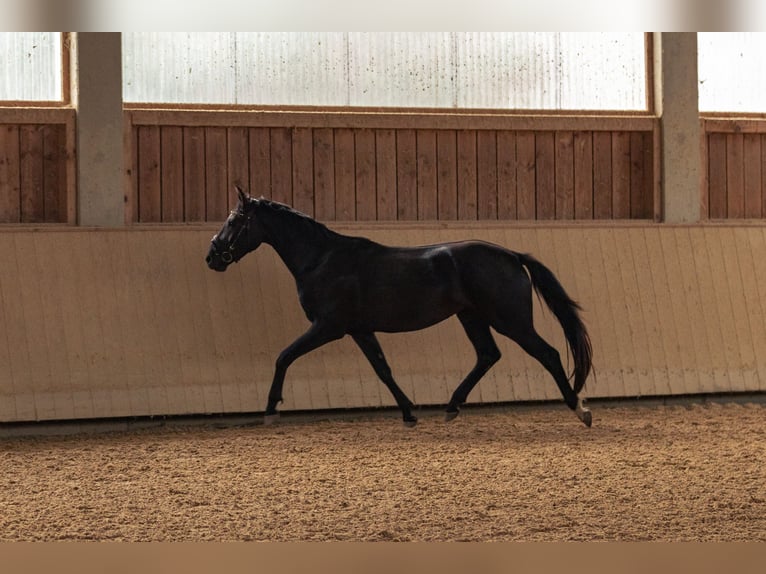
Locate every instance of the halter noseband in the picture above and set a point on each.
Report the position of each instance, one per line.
(226, 254)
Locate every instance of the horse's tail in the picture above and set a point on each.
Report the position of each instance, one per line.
(566, 311)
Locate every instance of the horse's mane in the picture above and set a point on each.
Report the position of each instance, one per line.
(293, 220)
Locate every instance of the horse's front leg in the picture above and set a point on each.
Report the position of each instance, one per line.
(318, 334)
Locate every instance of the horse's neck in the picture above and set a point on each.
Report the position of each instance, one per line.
(298, 242)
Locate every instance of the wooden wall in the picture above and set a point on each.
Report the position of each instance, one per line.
(368, 167)
(131, 322)
(734, 185)
(37, 169)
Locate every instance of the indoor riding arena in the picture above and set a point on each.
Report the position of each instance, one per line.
(134, 380)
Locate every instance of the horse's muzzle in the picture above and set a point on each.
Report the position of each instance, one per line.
(216, 262)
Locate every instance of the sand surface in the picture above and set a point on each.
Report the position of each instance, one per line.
(672, 473)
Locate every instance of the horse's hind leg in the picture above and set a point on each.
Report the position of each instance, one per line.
(549, 357)
(487, 354)
(368, 342)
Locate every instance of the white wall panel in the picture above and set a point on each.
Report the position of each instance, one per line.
(390, 69)
(291, 68)
(30, 66)
(401, 70)
(732, 71)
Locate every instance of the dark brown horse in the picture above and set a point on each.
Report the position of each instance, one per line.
(354, 286)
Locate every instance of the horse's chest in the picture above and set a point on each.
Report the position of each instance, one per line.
(327, 297)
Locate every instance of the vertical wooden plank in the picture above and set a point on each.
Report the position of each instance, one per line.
(192, 339)
(366, 194)
(583, 175)
(506, 175)
(442, 181)
(172, 173)
(486, 155)
(653, 376)
(704, 172)
(622, 329)
(194, 174)
(763, 174)
(621, 175)
(585, 290)
(259, 140)
(526, 202)
(345, 175)
(727, 320)
(564, 175)
(706, 265)
(149, 183)
(735, 176)
(640, 177)
(31, 167)
(281, 165)
(693, 292)
(752, 175)
(545, 174)
(216, 178)
(303, 170)
(130, 178)
(75, 318)
(18, 357)
(10, 175)
(29, 299)
(54, 173)
(602, 175)
(324, 174)
(717, 201)
(679, 323)
(753, 270)
(467, 190)
(238, 158)
(111, 360)
(138, 339)
(70, 168)
(735, 249)
(406, 175)
(385, 174)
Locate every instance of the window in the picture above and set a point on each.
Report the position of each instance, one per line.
(447, 70)
(30, 66)
(732, 72)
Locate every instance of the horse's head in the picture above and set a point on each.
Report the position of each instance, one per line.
(239, 235)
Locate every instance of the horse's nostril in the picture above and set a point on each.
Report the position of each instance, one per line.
(208, 259)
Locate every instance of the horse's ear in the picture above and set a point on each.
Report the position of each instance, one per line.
(243, 197)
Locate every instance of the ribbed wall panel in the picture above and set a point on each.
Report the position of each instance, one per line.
(30, 66)
(132, 323)
(732, 73)
(499, 70)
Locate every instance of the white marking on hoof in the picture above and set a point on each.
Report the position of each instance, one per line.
(271, 419)
(583, 413)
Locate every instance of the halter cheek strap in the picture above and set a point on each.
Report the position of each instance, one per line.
(226, 254)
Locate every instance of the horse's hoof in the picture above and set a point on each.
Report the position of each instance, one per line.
(450, 416)
(410, 422)
(583, 413)
(271, 419)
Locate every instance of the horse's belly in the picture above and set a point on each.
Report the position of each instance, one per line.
(412, 314)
